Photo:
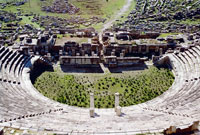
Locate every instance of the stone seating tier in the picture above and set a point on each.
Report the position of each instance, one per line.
(22, 106)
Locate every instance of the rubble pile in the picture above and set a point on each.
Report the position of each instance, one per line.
(14, 3)
(164, 16)
(56, 22)
(10, 28)
(61, 6)
(8, 17)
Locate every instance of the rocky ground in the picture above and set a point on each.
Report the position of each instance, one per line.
(164, 16)
(61, 6)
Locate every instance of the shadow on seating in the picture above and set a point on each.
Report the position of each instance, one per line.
(38, 69)
(128, 68)
(81, 69)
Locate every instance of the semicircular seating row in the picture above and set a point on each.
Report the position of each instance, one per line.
(22, 106)
(15, 100)
(184, 95)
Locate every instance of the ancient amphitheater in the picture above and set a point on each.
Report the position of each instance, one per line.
(24, 108)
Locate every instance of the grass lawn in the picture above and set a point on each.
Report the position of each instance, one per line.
(62, 39)
(191, 22)
(163, 35)
(27, 20)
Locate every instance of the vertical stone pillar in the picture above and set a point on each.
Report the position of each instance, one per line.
(91, 100)
(118, 111)
(91, 112)
(91, 105)
(116, 101)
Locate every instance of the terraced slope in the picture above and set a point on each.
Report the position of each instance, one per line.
(165, 16)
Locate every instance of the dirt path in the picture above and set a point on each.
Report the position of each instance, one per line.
(116, 16)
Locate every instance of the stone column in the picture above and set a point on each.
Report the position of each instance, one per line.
(91, 111)
(91, 100)
(116, 101)
(118, 110)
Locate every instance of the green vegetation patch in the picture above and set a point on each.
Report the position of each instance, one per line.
(133, 90)
(163, 35)
(88, 8)
(27, 20)
(104, 9)
(63, 89)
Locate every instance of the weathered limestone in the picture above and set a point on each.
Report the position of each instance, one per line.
(118, 110)
(92, 112)
(91, 100)
(116, 101)
(91, 105)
